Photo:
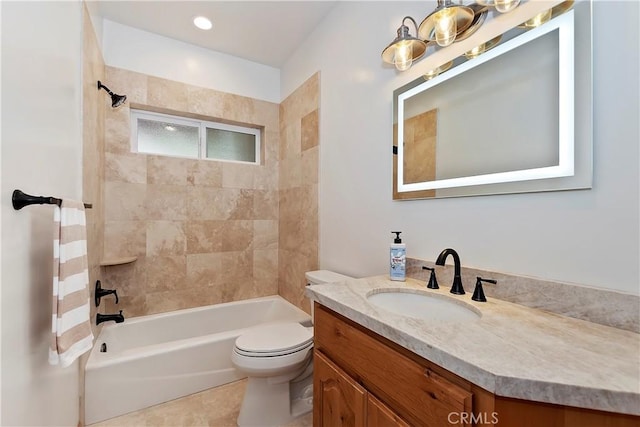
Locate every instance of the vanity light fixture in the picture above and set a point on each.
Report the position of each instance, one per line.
(447, 21)
(405, 48)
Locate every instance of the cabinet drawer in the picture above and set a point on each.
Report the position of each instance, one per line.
(417, 393)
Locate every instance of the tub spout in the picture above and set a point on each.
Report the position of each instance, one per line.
(118, 318)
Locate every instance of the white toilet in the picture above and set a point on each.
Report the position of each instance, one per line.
(278, 359)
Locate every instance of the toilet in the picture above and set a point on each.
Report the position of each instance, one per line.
(278, 361)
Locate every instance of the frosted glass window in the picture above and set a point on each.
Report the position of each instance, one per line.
(156, 133)
(230, 145)
(169, 139)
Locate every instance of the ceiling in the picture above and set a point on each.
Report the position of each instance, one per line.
(267, 32)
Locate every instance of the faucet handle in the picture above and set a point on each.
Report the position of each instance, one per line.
(478, 293)
(433, 282)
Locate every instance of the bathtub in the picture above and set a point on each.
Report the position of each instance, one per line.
(160, 357)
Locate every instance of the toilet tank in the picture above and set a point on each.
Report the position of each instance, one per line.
(319, 277)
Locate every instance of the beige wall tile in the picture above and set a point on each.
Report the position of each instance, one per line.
(298, 198)
(117, 130)
(205, 173)
(271, 144)
(266, 177)
(204, 270)
(124, 201)
(166, 202)
(204, 236)
(309, 130)
(126, 167)
(168, 170)
(237, 235)
(205, 101)
(237, 267)
(165, 273)
(310, 166)
(265, 204)
(166, 94)
(291, 172)
(166, 238)
(238, 108)
(237, 175)
(125, 238)
(265, 234)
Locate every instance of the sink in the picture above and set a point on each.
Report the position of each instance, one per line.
(423, 305)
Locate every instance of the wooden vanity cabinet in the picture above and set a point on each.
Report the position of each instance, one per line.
(363, 379)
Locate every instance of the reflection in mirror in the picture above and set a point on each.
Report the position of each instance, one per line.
(502, 122)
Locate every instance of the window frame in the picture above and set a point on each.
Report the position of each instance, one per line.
(202, 126)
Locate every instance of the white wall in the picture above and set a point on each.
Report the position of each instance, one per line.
(589, 237)
(41, 154)
(144, 52)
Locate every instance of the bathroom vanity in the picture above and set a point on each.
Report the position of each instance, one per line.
(513, 366)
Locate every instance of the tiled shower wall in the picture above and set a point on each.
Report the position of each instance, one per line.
(204, 232)
(94, 104)
(298, 237)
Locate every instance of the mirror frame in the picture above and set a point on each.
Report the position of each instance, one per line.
(574, 170)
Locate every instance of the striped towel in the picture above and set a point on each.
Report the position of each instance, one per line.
(71, 328)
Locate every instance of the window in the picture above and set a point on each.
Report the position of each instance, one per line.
(156, 133)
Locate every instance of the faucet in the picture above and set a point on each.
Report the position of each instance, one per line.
(456, 288)
(118, 318)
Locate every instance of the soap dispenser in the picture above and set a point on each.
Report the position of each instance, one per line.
(397, 259)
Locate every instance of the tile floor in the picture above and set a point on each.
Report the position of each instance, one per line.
(216, 407)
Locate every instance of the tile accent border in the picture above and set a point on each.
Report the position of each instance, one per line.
(606, 307)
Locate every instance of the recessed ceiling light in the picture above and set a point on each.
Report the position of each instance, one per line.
(169, 128)
(202, 22)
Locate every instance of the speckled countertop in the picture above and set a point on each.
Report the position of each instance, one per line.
(511, 350)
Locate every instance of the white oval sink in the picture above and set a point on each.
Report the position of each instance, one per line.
(423, 306)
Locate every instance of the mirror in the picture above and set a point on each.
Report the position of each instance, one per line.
(516, 118)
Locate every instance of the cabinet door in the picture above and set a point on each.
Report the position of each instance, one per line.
(338, 399)
(380, 415)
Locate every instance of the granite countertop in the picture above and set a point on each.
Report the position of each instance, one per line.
(512, 350)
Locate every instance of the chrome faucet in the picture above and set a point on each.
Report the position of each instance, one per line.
(456, 288)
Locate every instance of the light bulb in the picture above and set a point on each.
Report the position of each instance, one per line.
(404, 56)
(504, 6)
(445, 26)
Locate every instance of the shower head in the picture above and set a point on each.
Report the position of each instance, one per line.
(116, 100)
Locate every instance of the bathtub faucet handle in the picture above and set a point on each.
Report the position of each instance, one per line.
(99, 293)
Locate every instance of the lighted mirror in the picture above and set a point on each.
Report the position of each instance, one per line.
(516, 118)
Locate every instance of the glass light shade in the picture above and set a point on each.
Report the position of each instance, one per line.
(404, 49)
(504, 6)
(403, 57)
(538, 20)
(445, 26)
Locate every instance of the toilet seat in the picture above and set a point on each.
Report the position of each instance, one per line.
(272, 340)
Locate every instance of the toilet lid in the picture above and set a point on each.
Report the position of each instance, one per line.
(275, 337)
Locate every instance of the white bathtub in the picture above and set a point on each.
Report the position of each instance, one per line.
(156, 358)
